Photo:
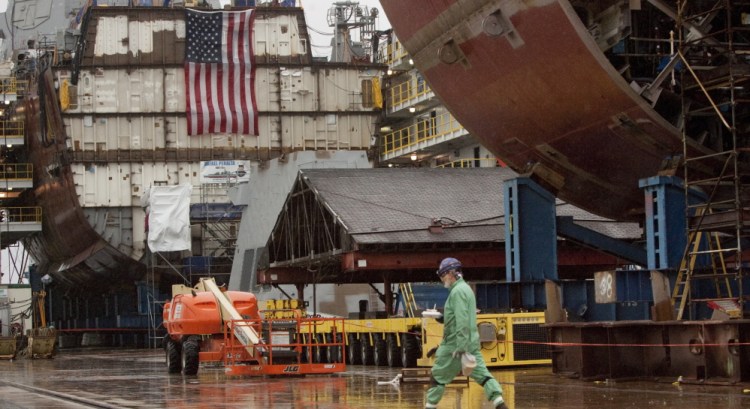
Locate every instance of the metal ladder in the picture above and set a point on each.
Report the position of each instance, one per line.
(705, 244)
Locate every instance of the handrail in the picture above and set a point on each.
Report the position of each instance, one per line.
(408, 91)
(16, 171)
(30, 214)
(13, 129)
(419, 132)
(8, 85)
(469, 163)
(391, 52)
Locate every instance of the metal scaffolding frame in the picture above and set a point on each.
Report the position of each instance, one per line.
(712, 54)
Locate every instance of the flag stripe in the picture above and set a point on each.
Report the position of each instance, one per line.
(219, 73)
(242, 103)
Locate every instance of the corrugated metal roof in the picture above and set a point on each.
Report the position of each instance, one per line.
(398, 205)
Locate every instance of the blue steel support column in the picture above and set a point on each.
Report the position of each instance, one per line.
(530, 238)
(665, 220)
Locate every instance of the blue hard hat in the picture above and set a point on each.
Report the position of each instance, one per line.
(447, 265)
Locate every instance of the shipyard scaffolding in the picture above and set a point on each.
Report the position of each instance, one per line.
(712, 57)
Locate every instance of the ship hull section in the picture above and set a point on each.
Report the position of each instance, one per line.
(541, 94)
(68, 248)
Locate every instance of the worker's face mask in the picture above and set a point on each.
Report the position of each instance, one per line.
(446, 280)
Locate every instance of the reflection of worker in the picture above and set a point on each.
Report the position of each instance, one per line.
(460, 336)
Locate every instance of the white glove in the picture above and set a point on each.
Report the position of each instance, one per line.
(468, 363)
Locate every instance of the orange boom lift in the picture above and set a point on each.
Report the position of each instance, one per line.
(206, 324)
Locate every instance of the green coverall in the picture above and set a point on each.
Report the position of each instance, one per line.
(460, 334)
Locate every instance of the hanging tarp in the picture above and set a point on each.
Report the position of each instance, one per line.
(169, 218)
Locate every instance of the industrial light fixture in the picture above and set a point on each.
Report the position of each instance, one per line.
(389, 72)
(412, 110)
(385, 129)
(413, 156)
(411, 62)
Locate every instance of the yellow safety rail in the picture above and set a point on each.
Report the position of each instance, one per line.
(23, 214)
(8, 85)
(16, 171)
(419, 132)
(471, 163)
(12, 129)
(391, 53)
(408, 91)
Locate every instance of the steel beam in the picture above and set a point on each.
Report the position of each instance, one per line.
(477, 258)
(566, 227)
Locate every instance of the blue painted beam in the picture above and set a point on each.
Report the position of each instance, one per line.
(567, 228)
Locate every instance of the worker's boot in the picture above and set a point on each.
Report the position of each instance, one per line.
(499, 403)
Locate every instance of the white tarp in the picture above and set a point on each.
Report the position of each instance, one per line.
(169, 218)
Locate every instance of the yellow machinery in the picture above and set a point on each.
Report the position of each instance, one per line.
(41, 339)
(508, 339)
(511, 339)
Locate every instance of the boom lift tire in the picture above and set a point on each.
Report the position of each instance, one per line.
(174, 358)
(354, 350)
(410, 350)
(394, 352)
(190, 355)
(380, 350)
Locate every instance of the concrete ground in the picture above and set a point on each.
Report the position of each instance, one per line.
(139, 379)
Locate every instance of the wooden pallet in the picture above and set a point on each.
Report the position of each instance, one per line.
(422, 375)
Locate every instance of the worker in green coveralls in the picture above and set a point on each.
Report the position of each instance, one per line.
(460, 336)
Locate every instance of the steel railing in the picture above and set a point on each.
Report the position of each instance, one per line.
(21, 214)
(18, 171)
(471, 163)
(420, 132)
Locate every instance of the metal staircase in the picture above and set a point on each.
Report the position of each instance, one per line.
(713, 44)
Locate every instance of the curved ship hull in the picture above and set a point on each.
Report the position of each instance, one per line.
(530, 80)
(68, 247)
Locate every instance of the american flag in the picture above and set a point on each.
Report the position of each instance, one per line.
(219, 73)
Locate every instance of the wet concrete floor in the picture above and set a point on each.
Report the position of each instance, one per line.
(139, 379)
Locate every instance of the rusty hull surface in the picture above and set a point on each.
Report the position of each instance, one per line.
(542, 94)
(67, 242)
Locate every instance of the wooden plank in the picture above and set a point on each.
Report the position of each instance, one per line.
(662, 309)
